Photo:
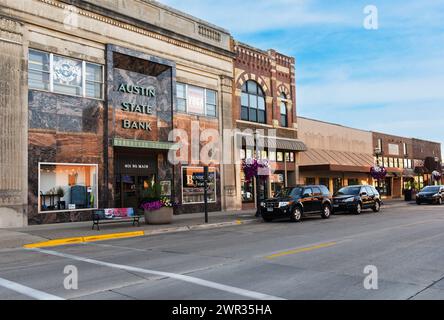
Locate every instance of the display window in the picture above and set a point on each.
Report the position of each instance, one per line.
(67, 187)
(193, 185)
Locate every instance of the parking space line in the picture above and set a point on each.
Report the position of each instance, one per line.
(300, 250)
(184, 278)
(27, 291)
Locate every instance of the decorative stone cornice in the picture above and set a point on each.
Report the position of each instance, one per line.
(135, 29)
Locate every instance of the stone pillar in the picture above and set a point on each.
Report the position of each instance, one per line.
(13, 124)
(231, 199)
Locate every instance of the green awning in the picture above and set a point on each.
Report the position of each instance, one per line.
(143, 144)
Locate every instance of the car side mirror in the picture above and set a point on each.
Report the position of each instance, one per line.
(363, 194)
(306, 195)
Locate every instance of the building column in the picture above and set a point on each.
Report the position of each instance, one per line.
(14, 126)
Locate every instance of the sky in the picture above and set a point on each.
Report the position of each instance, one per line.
(390, 79)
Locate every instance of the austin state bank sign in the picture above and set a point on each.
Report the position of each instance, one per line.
(149, 92)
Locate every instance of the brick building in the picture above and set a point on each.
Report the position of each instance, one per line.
(264, 102)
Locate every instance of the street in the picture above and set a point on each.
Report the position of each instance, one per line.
(314, 259)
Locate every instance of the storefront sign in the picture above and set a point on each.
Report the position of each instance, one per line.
(128, 124)
(137, 90)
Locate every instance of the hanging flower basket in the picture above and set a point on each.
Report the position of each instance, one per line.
(436, 175)
(378, 173)
(254, 168)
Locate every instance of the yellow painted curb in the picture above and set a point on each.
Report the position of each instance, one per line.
(114, 236)
(67, 241)
(54, 243)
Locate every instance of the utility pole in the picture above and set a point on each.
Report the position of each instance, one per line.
(206, 193)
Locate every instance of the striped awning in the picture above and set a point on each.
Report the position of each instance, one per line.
(272, 142)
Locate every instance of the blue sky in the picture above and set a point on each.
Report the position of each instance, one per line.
(390, 79)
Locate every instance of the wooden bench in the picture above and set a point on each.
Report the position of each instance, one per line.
(114, 215)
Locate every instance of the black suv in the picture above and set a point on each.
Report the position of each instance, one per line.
(356, 198)
(431, 194)
(297, 201)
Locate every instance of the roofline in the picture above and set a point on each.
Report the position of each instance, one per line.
(335, 124)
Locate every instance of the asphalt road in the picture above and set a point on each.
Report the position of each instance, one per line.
(314, 259)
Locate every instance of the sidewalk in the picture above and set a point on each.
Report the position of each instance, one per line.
(17, 237)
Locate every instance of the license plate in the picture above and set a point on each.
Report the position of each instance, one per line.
(270, 209)
(336, 205)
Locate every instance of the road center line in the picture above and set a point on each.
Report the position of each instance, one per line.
(299, 250)
(27, 291)
(200, 282)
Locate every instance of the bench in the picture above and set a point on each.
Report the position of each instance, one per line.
(114, 215)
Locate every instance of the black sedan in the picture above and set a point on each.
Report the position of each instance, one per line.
(356, 198)
(431, 194)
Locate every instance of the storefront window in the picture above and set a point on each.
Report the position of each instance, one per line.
(353, 182)
(310, 180)
(67, 187)
(324, 182)
(193, 185)
(280, 157)
(337, 184)
(272, 155)
(65, 75)
(247, 190)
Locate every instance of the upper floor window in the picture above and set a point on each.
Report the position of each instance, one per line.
(253, 102)
(283, 110)
(64, 75)
(196, 100)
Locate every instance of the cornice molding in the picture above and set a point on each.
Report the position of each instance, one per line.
(135, 29)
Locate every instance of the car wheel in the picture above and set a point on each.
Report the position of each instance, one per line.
(358, 209)
(326, 212)
(440, 201)
(296, 216)
(377, 207)
(418, 202)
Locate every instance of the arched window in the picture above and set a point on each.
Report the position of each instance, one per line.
(253, 102)
(284, 112)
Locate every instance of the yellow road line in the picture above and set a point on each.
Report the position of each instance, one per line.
(67, 241)
(300, 250)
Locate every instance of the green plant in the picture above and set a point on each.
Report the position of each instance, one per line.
(153, 193)
(60, 192)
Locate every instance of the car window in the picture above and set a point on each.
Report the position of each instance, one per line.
(308, 191)
(325, 191)
(374, 190)
(369, 191)
(317, 191)
(349, 191)
(430, 189)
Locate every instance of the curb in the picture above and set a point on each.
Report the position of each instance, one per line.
(77, 240)
(112, 236)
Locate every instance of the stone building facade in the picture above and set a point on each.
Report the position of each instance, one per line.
(108, 80)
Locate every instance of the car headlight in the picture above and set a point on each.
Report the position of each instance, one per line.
(436, 195)
(262, 204)
(350, 200)
(284, 204)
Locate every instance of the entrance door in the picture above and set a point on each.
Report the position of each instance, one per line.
(133, 189)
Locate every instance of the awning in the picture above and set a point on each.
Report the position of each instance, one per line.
(272, 142)
(408, 173)
(143, 144)
(339, 161)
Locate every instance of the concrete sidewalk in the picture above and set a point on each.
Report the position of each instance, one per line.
(17, 237)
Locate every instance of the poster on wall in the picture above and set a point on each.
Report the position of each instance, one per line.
(196, 100)
(193, 185)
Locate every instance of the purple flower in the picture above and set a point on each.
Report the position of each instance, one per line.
(152, 206)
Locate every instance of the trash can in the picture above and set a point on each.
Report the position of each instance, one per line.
(408, 195)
